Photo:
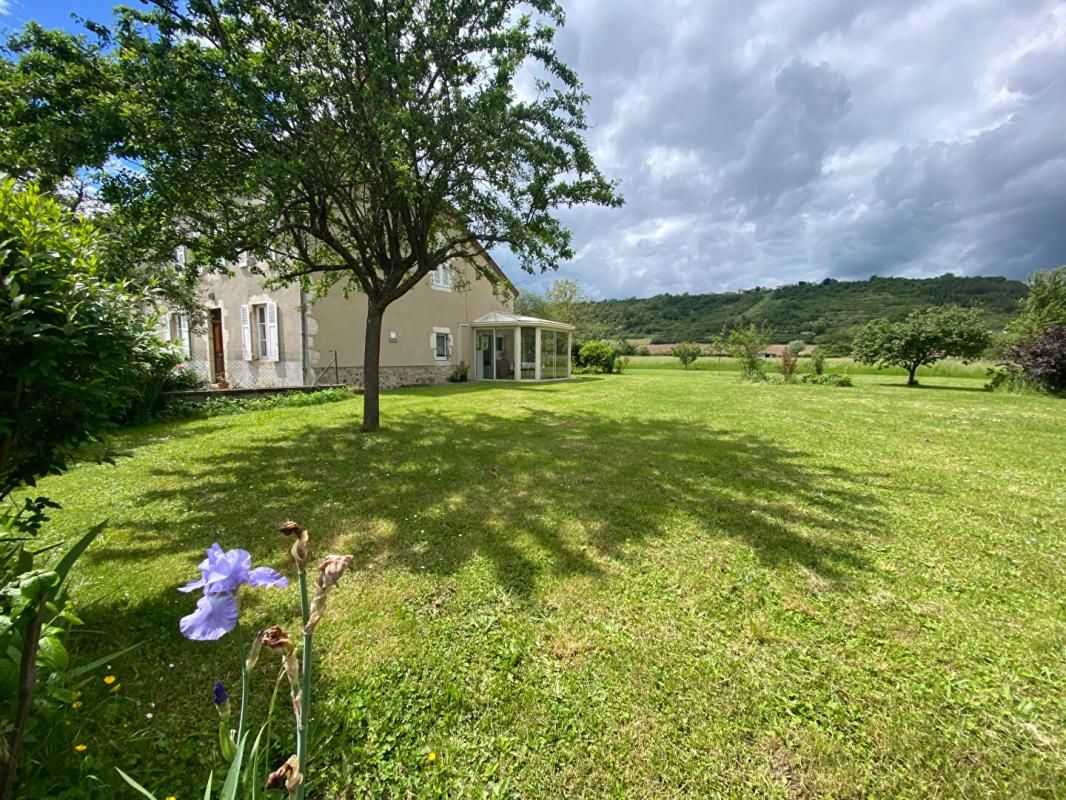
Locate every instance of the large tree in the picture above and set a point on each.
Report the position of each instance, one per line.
(923, 338)
(351, 143)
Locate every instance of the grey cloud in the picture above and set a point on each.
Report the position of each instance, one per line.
(769, 142)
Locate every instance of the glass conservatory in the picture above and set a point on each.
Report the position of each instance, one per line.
(510, 347)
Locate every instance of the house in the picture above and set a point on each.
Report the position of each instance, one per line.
(453, 322)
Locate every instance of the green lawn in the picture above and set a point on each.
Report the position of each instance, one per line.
(659, 584)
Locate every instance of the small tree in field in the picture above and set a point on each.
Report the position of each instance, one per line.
(923, 338)
(687, 353)
(790, 358)
(746, 344)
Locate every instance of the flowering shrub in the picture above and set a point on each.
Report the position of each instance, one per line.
(223, 574)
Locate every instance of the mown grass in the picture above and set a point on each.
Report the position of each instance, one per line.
(659, 584)
(948, 368)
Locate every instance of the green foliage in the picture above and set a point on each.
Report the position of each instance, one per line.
(1044, 306)
(687, 353)
(827, 379)
(599, 355)
(923, 338)
(621, 364)
(818, 360)
(565, 301)
(222, 406)
(75, 352)
(827, 313)
(182, 379)
(746, 344)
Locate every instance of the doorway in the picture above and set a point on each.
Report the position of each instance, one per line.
(485, 367)
(218, 355)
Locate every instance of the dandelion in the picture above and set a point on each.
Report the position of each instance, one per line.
(76, 704)
(80, 748)
(109, 679)
(222, 573)
(170, 797)
(431, 757)
(77, 694)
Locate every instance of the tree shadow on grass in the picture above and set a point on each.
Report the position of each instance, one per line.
(537, 493)
(934, 387)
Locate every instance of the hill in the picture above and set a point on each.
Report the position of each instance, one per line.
(827, 313)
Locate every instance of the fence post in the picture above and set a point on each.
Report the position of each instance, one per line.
(336, 369)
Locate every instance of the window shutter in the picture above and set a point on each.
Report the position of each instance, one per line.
(272, 331)
(183, 333)
(246, 332)
(164, 327)
(449, 345)
(242, 259)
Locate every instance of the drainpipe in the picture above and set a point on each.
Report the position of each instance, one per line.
(460, 325)
(304, 358)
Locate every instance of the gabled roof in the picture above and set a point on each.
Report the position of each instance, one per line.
(504, 318)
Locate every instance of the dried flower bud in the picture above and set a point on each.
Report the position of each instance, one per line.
(329, 574)
(331, 569)
(299, 547)
(290, 528)
(274, 638)
(286, 776)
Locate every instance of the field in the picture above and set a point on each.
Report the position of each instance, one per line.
(948, 368)
(658, 584)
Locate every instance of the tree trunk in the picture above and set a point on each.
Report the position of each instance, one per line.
(372, 369)
(911, 380)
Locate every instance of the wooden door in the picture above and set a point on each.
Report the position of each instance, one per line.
(218, 356)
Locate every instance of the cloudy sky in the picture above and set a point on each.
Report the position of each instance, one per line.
(761, 143)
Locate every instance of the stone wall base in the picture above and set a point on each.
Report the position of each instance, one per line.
(390, 377)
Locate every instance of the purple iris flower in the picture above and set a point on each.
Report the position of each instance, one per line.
(222, 573)
(220, 693)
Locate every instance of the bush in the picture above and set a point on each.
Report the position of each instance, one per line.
(74, 348)
(687, 353)
(827, 379)
(598, 355)
(621, 364)
(643, 351)
(1042, 361)
(182, 379)
(75, 352)
(818, 360)
(221, 406)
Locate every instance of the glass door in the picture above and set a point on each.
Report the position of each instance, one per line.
(485, 370)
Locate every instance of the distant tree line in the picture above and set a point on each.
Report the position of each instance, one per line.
(826, 313)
